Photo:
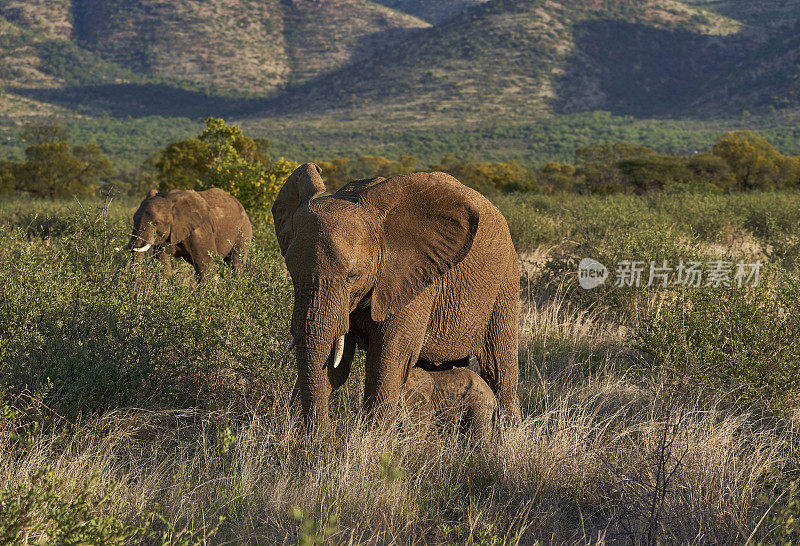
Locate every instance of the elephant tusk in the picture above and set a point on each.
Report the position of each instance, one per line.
(142, 249)
(339, 351)
(290, 345)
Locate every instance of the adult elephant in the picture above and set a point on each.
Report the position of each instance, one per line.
(193, 226)
(419, 266)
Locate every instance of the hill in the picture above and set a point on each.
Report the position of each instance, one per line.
(434, 11)
(42, 61)
(760, 18)
(355, 75)
(515, 58)
(248, 47)
(763, 79)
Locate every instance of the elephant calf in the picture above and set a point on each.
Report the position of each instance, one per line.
(453, 395)
(193, 226)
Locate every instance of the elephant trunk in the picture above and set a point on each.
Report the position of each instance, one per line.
(319, 323)
(141, 240)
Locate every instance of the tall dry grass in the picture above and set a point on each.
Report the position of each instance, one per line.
(588, 468)
(601, 457)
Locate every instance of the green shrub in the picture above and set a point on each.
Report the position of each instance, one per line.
(76, 317)
(739, 343)
(42, 511)
(49, 511)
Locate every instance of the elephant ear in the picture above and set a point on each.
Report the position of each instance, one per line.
(303, 184)
(188, 213)
(429, 224)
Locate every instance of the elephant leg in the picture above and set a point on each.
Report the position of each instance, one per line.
(393, 349)
(238, 255)
(384, 377)
(199, 247)
(483, 418)
(417, 394)
(500, 356)
(166, 261)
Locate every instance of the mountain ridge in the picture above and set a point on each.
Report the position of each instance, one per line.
(501, 57)
(359, 59)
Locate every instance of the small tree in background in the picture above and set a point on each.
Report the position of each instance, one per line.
(54, 169)
(755, 163)
(222, 157)
(557, 177)
(7, 178)
(181, 164)
(484, 176)
(338, 171)
(599, 165)
(236, 166)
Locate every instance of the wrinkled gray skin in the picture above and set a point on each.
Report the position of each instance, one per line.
(419, 266)
(192, 226)
(452, 396)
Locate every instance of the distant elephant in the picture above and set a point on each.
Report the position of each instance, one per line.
(455, 395)
(193, 226)
(419, 265)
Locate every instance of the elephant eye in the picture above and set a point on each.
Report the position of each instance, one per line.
(353, 275)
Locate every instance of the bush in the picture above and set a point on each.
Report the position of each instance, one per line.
(740, 343)
(50, 511)
(755, 163)
(75, 316)
(39, 511)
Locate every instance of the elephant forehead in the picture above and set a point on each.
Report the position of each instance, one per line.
(333, 220)
(155, 206)
(337, 242)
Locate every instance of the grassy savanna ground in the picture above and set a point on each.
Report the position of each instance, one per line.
(148, 411)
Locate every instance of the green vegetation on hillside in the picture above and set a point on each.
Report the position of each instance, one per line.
(569, 156)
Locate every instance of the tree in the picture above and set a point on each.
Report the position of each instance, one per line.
(486, 177)
(53, 169)
(42, 133)
(599, 165)
(755, 163)
(181, 164)
(7, 176)
(221, 156)
(596, 155)
(369, 166)
(336, 172)
(557, 177)
(657, 173)
(713, 170)
(406, 164)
